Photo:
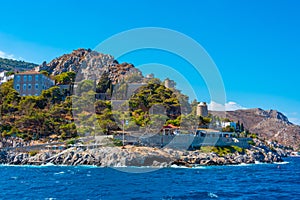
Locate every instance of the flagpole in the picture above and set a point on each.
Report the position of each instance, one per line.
(123, 135)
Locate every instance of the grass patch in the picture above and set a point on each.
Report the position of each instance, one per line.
(112, 142)
(253, 135)
(71, 141)
(207, 149)
(117, 142)
(33, 152)
(222, 151)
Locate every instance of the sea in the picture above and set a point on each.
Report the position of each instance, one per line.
(255, 181)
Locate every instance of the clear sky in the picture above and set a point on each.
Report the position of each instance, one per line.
(255, 44)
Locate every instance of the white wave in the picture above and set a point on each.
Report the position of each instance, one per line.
(87, 166)
(48, 164)
(137, 167)
(212, 195)
(281, 163)
(179, 167)
(57, 173)
(186, 167)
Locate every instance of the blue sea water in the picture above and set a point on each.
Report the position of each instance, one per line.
(259, 181)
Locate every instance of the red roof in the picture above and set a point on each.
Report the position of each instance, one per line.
(30, 72)
(171, 126)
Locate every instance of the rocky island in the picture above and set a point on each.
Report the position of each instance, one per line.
(84, 89)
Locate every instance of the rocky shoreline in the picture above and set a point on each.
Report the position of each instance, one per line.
(142, 156)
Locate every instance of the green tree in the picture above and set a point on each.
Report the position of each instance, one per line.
(84, 86)
(104, 83)
(65, 78)
(242, 127)
(136, 77)
(44, 72)
(228, 129)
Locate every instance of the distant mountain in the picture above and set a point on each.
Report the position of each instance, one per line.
(269, 124)
(88, 64)
(11, 65)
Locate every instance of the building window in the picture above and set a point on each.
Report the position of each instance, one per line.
(24, 95)
(24, 86)
(18, 78)
(36, 77)
(36, 86)
(36, 94)
(25, 78)
(29, 78)
(29, 86)
(18, 86)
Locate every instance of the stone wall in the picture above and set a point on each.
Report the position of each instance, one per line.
(186, 141)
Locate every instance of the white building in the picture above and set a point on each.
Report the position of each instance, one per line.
(230, 124)
(4, 78)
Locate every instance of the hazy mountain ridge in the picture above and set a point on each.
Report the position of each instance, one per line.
(12, 65)
(269, 124)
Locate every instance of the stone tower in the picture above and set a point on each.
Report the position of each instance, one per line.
(169, 83)
(202, 109)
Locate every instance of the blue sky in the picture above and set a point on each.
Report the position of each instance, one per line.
(255, 44)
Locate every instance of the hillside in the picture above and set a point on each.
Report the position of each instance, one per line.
(269, 124)
(56, 113)
(11, 65)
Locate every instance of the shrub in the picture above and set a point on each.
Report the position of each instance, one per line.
(228, 129)
(70, 141)
(207, 149)
(238, 149)
(222, 151)
(22, 135)
(117, 142)
(33, 152)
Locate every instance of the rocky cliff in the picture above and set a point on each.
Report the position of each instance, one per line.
(88, 64)
(269, 124)
(142, 156)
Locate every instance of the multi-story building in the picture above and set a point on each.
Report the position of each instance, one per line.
(32, 83)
